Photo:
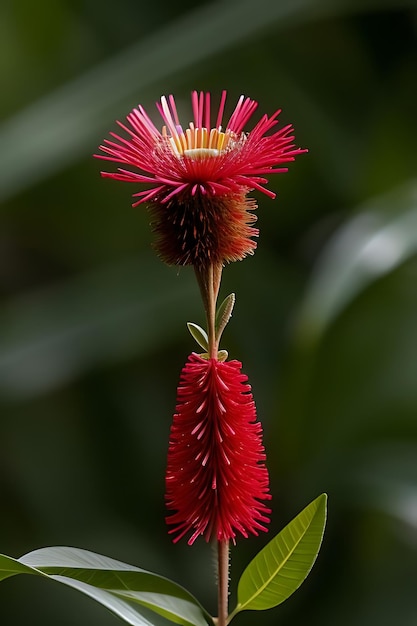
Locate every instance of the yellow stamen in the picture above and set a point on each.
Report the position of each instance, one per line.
(220, 140)
(189, 138)
(212, 139)
(198, 143)
(183, 140)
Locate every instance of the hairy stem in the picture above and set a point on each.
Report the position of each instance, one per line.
(208, 279)
(222, 582)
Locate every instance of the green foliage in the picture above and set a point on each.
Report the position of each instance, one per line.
(92, 325)
(273, 575)
(121, 588)
(280, 568)
(224, 313)
(199, 335)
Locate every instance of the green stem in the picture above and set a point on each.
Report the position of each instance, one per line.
(209, 279)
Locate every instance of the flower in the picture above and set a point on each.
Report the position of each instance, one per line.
(198, 178)
(216, 477)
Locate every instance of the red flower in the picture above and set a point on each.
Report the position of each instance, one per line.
(198, 178)
(216, 478)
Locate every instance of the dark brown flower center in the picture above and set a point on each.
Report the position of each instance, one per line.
(200, 229)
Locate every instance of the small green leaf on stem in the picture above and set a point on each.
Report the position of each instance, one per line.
(222, 355)
(224, 313)
(280, 568)
(199, 335)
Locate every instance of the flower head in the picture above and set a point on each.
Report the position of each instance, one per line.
(198, 177)
(216, 477)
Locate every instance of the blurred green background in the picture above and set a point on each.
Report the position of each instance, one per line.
(92, 325)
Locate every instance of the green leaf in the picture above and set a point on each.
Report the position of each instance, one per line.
(11, 567)
(134, 594)
(224, 313)
(199, 335)
(222, 355)
(280, 568)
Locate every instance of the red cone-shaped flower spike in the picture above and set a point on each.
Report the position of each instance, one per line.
(198, 177)
(216, 478)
